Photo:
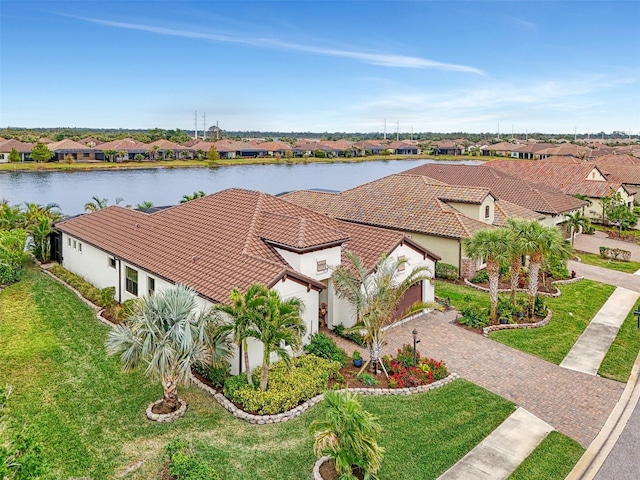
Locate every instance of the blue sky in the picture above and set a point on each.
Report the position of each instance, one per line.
(323, 66)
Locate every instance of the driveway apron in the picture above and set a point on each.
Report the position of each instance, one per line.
(574, 403)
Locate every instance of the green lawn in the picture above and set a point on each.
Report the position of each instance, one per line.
(598, 261)
(89, 416)
(572, 312)
(618, 362)
(553, 458)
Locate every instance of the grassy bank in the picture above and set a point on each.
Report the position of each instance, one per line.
(83, 166)
(617, 265)
(89, 416)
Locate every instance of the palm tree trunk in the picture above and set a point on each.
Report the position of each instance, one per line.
(494, 275)
(246, 361)
(264, 370)
(534, 269)
(516, 263)
(170, 397)
(375, 350)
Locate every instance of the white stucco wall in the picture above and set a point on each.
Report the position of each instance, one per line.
(90, 263)
(307, 263)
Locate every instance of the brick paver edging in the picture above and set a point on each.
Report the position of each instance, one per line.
(544, 294)
(300, 409)
(511, 326)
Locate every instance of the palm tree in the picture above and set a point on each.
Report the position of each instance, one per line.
(493, 246)
(279, 326)
(193, 196)
(375, 296)
(96, 204)
(109, 154)
(347, 434)
(538, 242)
(145, 204)
(167, 336)
(11, 216)
(515, 258)
(576, 221)
(243, 311)
(40, 231)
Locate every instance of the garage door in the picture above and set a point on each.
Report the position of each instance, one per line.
(413, 295)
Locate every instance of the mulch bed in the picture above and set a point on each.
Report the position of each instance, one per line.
(350, 372)
(328, 471)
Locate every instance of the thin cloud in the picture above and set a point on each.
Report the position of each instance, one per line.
(381, 59)
(523, 24)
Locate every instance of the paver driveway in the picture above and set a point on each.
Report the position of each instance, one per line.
(574, 403)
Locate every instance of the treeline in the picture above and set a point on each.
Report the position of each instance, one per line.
(33, 135)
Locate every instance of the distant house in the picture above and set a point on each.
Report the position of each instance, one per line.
(232, 238)
(126, 149)
(162, 148)
(433, 214)
(404, 147)
(446, 147)
(68, 148)
(24, 150)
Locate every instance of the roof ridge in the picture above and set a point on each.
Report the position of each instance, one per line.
(302, 225)
(254, 222)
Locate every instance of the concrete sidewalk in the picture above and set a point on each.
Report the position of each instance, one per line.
(588, 352)
(499, 454)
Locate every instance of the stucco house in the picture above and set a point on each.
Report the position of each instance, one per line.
(435, 215)
(232, 238)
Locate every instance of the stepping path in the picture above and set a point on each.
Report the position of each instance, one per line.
(587, 353)
(499, 454)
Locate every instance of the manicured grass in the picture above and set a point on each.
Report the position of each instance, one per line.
(572, 312)
(89, 416)
(598, 261)
(461, 295)
(553, 459)
(618, 362)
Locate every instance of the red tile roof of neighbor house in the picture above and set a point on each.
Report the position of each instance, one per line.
(617, 159)
(274, 146)
(68, 144)
(224, 240)
(202, 145)
(164, 144)
(623, 173)
(401, 202)
(570, 178)
(503, 186)
(21, 147)
(124, 144)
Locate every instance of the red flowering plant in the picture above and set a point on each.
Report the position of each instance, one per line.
(403, 374)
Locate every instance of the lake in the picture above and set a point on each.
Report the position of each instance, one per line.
(71, 190)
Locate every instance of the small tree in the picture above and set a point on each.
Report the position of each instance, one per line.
(138, 157)
(41, 153)
(193, 196)
(576, 221)
(616, 211)
(168, 336)
(213, 155)
(14, 156)
(347, 434)
(109, 154)
(145, 204)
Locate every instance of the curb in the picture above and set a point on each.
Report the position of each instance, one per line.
(596, 454)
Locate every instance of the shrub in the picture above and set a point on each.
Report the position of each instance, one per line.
(367, 379)
(356, 355)
(403, 374)
(324, 347)
(86, 289)
(183, 466)
(539, 307)
(216, 375)
(355, 337)
(308, 377)
(12, 245)
(473, 317)
(481, 277)
(107, 297)
(446, 271)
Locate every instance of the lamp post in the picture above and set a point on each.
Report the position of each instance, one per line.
(637, 314)
(416, 341)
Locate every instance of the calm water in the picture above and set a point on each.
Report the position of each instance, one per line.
(71, 190)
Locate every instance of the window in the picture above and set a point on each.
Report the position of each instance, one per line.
(69, 241)
(321, 266)
(402, 263)
(151, 285)
(75, 245)
(85, 154)
(487, 211)
(132, 281)
(112, 262)
(79, 247)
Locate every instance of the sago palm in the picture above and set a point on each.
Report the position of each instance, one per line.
(347, 434)
(166, 335)
(375, 296)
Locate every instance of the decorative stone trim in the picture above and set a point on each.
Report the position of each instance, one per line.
(300, 409)
(315, 474)
(166, 417)
(508, 290)
(567, 281)
(511, 326)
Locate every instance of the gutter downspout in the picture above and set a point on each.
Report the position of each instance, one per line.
(119, 281)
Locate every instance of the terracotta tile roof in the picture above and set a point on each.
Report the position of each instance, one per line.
(68, 144)
(89, 141)
(623, 173)
(164, 144)
(504, 210)
(221, 241)
(400, 202)
(204, 146)
(620, 159)
(570, 178)
(125, 144)
(503, 186)
(274, 146)
(21, 147)
(566, 149)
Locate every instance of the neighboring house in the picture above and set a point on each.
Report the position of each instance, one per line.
(129, 146)
(275, 148)
(584, 178)
(446, 147)
(550, 203)
(233, 238)
(163, 146)
(76, 150)
(435, 215)
(404, 147)
(24, 149)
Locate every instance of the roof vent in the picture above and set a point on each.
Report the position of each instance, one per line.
(137, 225)
(194, 259)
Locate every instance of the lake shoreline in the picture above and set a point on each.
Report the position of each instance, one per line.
(180, 164)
